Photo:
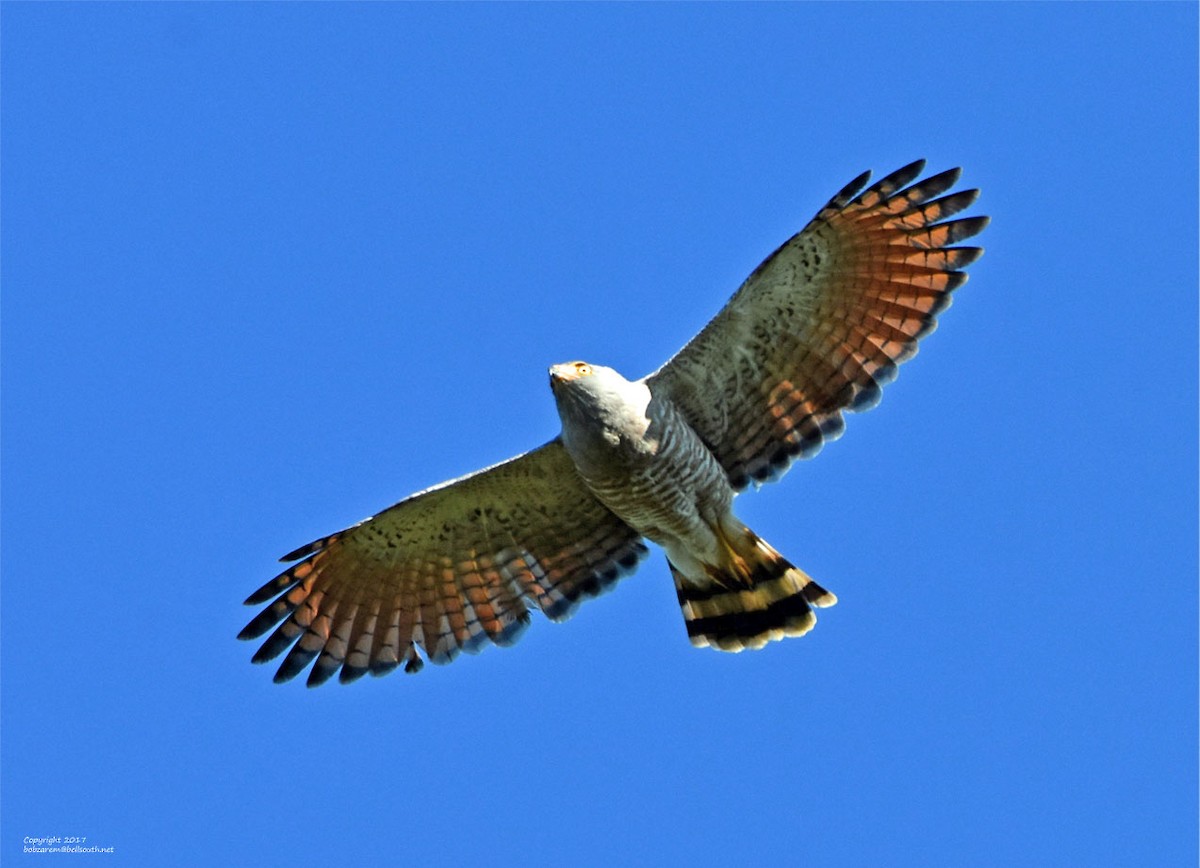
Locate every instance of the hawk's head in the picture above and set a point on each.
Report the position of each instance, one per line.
(594, 391)
(599, 409)
(568, 372)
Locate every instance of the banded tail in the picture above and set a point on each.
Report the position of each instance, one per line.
(756, 596)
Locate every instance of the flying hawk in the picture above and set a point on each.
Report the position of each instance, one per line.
(817, 328)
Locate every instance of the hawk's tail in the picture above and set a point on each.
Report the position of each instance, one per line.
(754, 597)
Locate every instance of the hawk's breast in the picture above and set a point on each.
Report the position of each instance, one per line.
(665, 484)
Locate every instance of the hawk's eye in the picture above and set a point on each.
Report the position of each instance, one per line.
(583, 369)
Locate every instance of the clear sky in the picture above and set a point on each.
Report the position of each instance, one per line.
(268, 268)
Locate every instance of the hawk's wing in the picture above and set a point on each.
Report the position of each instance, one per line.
(447, 569)
(822, 324)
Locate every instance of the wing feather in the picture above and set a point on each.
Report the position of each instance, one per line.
(446, 570)
(823, 323)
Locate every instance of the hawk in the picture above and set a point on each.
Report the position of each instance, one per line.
(817, 329)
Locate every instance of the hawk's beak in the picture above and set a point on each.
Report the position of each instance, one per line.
(556, 377)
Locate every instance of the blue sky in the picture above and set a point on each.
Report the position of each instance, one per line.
(269, 268)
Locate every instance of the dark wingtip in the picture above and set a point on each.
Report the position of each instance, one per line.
(313, 547)
(379, 668)
(324, 669)
(296, 554)
(266, 592)
(966, 227)
(350, 674)
(937, 184)
(293, 664)
(413, 663)
(968, 196)
(954, 279)
(266, 619)
(847, 193)
(964, 256)
(901, 177)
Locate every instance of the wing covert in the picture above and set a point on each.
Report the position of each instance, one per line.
(822, 324)
(447, 569)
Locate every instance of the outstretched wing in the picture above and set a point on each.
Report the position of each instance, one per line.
(821, 325)
(446, 569)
